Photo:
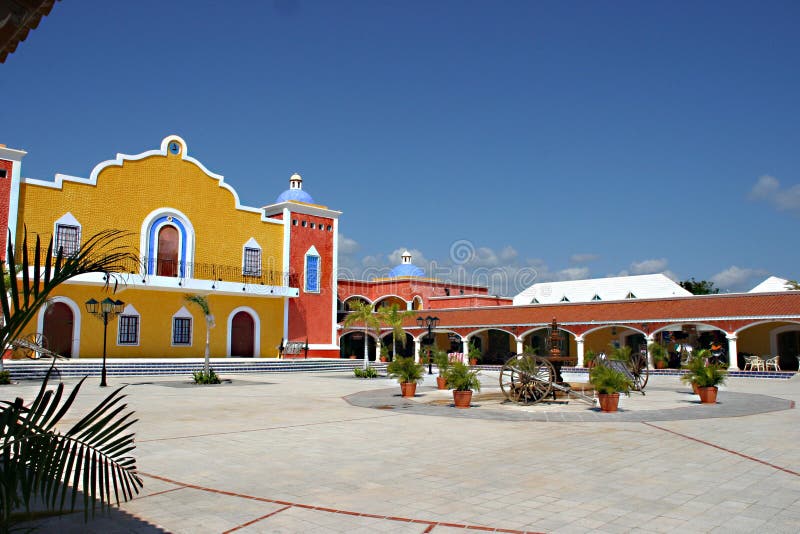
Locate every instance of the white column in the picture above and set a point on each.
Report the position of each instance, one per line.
(417, 346)
(465, 350)
(520, 346)
(648, 339)
(579, 345)
(733, 351)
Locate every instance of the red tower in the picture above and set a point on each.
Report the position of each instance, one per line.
(310, 240)
(10, 167)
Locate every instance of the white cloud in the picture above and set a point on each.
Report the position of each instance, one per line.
(583, 258)
(347, 246)
(649, 266)
(768, 189)
(736, 278)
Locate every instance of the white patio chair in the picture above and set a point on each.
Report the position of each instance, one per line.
(753, 363)
(772, 363)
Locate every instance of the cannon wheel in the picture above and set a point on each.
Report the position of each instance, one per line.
(30, 342)
(639, 371)
(527, 378)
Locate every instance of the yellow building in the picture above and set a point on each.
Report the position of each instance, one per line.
(193, 236)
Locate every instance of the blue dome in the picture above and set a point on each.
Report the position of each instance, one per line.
(406, 269)
(295, 194)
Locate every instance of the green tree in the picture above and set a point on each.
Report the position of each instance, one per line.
(361, 313)
(793, 285)
(699, 287)
(393, 317)
(202, 302)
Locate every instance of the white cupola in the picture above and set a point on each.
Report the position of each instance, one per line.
(296, 181)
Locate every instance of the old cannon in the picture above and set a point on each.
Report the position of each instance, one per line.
(528, 378)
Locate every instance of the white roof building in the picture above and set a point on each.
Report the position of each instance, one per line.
(646, 286)
(770, 285)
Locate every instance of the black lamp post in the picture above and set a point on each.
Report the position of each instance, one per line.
(106, 310)
(429, 323)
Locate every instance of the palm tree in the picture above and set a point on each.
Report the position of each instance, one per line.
(393, 318)
(362, 313)
(792, 285)
(92, 456)
(202, 302)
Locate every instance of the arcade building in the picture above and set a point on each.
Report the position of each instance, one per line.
(270, 275)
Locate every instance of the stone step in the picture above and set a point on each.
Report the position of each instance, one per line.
(28, 370)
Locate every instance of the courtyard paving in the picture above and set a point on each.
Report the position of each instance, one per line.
(331, 453)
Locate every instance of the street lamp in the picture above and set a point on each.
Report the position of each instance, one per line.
(429, 323)
(106, 310)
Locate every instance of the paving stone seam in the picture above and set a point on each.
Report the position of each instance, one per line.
(254, 521)
(282, 427)
(160, 493)
(737, 453)
(288, 504)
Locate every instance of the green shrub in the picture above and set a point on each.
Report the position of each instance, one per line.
(622, 354)
(461, 378)
(201, 377)
(659, 353)
(703, 375)
(369, 372)
(5, 377)
(607, 380)
(405, 370)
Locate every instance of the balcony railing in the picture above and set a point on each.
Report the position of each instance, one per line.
(145, 267)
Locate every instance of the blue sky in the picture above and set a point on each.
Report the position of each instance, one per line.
(551, 140)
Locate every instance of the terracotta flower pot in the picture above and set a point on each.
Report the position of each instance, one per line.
(462, 399)
(352, 357)
(441, 382)
(708, 395)
(383, 359)
(608, 401)
(589, 365)
(408, 388)
(695, 389)
(660, 364)
(473, 362)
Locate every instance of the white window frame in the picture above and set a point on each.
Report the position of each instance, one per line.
(67, 220)
(312, 252)
(252, 244)
(183, 313)
(130, 311)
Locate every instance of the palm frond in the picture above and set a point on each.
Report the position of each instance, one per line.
(101, 253)
(92, 457)
(200, 301)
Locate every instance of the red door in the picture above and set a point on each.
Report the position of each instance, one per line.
(57, 329)
(168, 251)
(242, 335)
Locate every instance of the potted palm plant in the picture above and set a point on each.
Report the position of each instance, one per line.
(384, 353)
(659, 354)
(705, 378)
(589, 358)
(407, 372)
(463, 382)
(442, 361)
(474, 354)
(609, 383)
(693, 367)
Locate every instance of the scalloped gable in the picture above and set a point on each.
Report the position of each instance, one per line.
(162, 151)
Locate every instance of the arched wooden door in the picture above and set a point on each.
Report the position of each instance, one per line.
(243, 335)
(168, 243)
(58, 326)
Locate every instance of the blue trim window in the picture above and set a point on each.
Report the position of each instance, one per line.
(312, 274)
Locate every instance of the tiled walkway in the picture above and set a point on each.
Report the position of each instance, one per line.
(288, 453)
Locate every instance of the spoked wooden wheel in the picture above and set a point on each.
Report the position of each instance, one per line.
(639, 371)
(526, 378)
(29, 344)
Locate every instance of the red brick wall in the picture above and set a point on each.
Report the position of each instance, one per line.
(311, 314)
(5, 195)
